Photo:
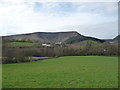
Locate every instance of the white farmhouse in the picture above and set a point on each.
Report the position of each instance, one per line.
(58, 43)
(47, 45)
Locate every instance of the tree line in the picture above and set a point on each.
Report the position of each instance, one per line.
(16, 54)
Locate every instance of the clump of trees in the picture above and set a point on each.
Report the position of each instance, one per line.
(17, 54)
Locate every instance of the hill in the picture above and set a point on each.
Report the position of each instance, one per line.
(108, 40)
(117, 39)
(50, 37)
(80, 38)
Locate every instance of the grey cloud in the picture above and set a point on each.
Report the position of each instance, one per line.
(102, 31)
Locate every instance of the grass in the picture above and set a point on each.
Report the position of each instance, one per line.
(20, 44)
(90, 41)
(0, 76)
(63, 72)
(38, 57)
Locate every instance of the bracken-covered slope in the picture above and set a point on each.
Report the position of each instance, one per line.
(50, 37)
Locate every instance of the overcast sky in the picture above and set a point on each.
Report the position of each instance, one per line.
(97, 19)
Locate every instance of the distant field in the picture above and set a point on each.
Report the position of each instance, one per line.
(19, 44)
(90, 41)
(38, 57)
(63, 72)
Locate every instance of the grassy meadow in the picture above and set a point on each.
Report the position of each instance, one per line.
(63, 72)
(20, 44)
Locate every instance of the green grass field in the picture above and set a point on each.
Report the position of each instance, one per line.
(90, 41)
(38, 57)
(20, 44)
(63, 72)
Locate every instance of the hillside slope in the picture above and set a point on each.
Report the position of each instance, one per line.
(80, 38)
(46, 37)
(50, 37)
(117, 39)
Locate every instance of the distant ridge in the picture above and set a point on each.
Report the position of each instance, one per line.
(117, 38)
(50, 37)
